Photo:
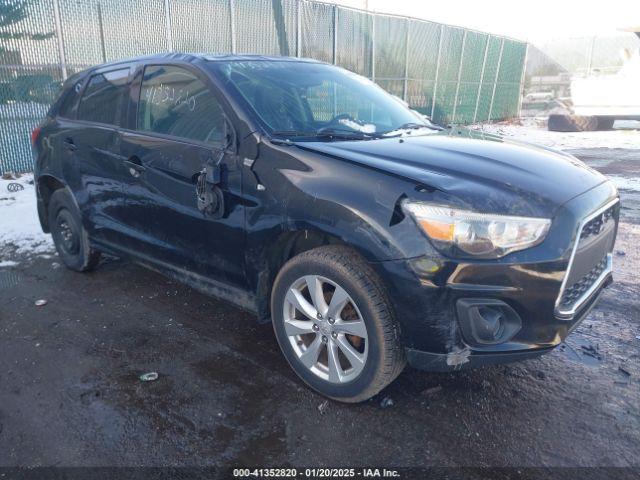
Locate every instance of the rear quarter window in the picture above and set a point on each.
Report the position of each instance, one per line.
(66, 104)
(104, 96)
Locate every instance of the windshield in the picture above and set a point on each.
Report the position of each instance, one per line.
(313, 99)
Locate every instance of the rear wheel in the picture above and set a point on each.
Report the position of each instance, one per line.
(571, 123)
(334, 324)
(69, 236)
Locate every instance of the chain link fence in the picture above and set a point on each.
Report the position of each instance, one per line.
(449, 73)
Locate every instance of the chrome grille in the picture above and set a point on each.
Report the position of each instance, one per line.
(590, 262)
(595, 225)
(573, 293)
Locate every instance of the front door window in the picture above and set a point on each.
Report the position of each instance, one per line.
(175, 102)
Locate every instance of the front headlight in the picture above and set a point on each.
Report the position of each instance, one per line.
(476, 234)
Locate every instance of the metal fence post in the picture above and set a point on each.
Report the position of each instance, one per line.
(592, 47)
(101, 29)
(435, 83)
(335, 34)
(58, 22)
(406, 60)
(495, 82)
(167, 25)
(455, 99)
(373, 47)
(484, 64)
(299, 29)
(522, 79)
(232, 21)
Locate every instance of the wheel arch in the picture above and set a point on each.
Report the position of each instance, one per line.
(284, 247)
(45, 186)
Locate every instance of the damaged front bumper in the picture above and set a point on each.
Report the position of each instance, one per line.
(463, 356)
(432, 322)
(460, 313)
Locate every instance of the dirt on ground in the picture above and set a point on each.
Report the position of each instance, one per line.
(70, 392)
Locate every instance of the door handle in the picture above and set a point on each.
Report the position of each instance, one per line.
(134, 164)
(69, 145)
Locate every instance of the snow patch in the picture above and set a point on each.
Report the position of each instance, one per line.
(357, 126)
(625, 135)
(7, 263)
(626, 183)
(20, 230)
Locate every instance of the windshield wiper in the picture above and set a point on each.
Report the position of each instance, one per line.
(412, 126)
(332, 133)
(415, 126)
(292, 133)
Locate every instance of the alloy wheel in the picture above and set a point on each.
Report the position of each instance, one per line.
(325, 329)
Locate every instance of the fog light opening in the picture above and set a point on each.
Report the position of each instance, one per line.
(491, 322)
(487, 321)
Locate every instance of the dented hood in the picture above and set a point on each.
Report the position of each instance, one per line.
(467, 162)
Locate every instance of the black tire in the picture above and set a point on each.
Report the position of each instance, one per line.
(385, 359)
(605, 123)
(571, 123)
(69, 236)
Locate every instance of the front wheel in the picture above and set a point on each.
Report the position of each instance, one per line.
(334, 324)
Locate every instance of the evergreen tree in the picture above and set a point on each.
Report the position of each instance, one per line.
(11, 13)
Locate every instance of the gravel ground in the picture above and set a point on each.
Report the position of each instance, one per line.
(70, 393)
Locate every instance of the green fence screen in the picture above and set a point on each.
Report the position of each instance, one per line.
(449, 73)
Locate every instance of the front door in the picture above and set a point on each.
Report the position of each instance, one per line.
(181, 131)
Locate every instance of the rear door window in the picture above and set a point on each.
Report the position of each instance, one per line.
(175, 102)
(104, 96)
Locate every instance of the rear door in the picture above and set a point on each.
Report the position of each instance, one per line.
(180, 129)
(91, 142)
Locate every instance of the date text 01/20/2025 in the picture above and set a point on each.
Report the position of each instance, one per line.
(315, 473)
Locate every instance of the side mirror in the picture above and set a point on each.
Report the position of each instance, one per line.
(208, 192)
(208, 182)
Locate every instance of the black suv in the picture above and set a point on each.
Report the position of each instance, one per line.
(302, 192)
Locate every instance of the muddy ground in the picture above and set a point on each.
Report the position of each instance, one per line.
(70, 393)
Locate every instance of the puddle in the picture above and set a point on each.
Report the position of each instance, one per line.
(581, 351)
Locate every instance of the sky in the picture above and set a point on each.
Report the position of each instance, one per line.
(531, 20)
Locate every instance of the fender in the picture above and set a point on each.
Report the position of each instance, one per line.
(315, 200)
(314, 192)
